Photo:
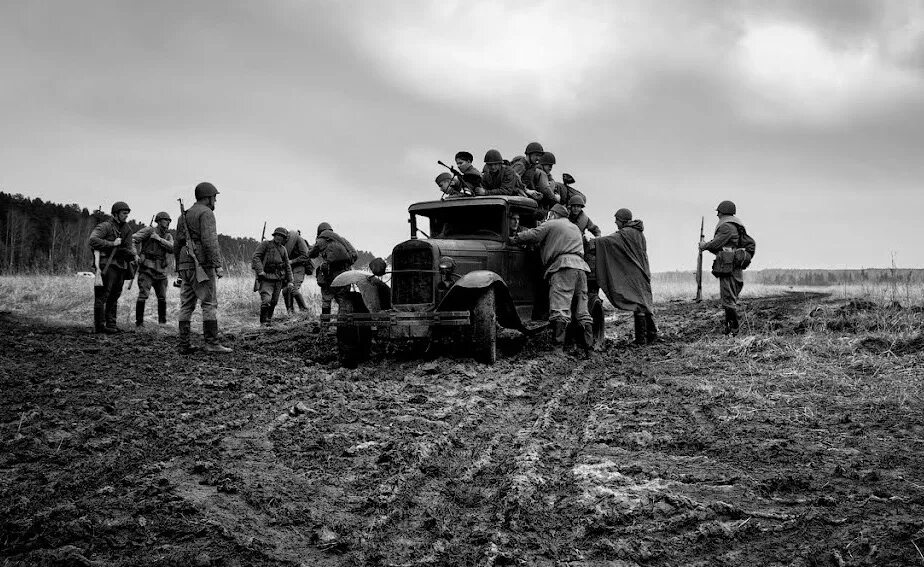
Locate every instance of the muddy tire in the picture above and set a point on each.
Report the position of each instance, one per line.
(353, 343)
(484, 328)
(595, 306)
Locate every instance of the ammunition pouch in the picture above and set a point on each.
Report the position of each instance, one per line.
(724, 263)
(742, 259)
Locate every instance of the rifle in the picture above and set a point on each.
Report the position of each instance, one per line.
(201, 276)
(699, 262)
(458, 175)
(141, 259)
(256, 280)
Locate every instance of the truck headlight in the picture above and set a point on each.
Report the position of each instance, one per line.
(447, 265)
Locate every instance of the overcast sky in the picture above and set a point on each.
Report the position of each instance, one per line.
(807, 114)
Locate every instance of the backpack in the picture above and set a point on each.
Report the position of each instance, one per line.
(746, 243)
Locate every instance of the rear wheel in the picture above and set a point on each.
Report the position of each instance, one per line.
(484, 328)
(353, 343)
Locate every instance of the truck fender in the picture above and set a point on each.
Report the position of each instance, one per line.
(462, 295)
(375, 293)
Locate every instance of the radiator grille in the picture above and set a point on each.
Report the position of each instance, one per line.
(413, 286)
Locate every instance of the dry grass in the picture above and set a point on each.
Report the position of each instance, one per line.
(65, 299)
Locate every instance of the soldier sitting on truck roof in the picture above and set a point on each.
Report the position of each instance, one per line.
(464, 163)
(536, 179)
(498, 178)
(444, 182)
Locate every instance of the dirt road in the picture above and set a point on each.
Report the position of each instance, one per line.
(800, 443)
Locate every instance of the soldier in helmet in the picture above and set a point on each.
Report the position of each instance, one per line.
(577, 215)
(270, 263)
(727, 237)
(337, 256)
(196, 243)
(298, 250)
(498, 178)
(566, 190)
(535, 178)
(153, 243)
(623, 273)
(112, 239)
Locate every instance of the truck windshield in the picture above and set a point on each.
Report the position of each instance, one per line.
(470, 222)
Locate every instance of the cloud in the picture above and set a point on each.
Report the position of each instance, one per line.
(791, 73)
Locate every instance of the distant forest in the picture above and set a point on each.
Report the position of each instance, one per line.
(41, 236)
(800, 277)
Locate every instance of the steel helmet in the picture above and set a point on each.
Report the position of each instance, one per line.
(161, 216)
(548, 158)
(533, 148)
(560, 210)
(576, 200)
(205, 189)
(120, 206)
(281, 231)
(624, 215)
(493, 156)
(567, 178)
(324, 226)
(726, 208)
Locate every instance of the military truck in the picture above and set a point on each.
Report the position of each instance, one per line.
(457, 274)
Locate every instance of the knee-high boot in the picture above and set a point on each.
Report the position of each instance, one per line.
(640, 328)
(162, 311)
(651, 331)
(139, 313)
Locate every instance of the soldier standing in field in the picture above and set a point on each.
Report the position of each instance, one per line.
(562, 249)
(112, 239)
(197, 234)
(153, 244)
(727, 237)
(270, 263)
(297, 249)
(624, 275)
(337, 256)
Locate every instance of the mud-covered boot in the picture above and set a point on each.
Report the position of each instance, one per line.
(269, 314)
(263, 315)
(588, 340)
(651, 331)
(139, 313)
(640, 328)
(559, 331)
(727, 326)
(733, 323)
(162, 311)
(183, 345)
(111, 317)
(289, 302)
(297, 295)
(99, 320)
(210, 330)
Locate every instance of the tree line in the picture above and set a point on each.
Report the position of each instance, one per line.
(45, 237)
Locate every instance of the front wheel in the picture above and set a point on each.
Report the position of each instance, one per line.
(484, 328)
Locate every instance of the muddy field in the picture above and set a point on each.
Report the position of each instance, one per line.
(800, 442)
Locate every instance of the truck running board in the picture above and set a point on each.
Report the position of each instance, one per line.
(389, 319)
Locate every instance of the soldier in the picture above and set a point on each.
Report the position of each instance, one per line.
(270, 263)
(562, 251)
(580, 218)
(298, 250)
(112, 239)
(498, 178)
(196, 234)
(444, 182)
(623, 273)
(727, 237)
(536, 179)
(464, 163)
(337, 255)
(515, 227)
(153, 243)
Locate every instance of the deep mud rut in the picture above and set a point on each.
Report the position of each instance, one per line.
(116, 451)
